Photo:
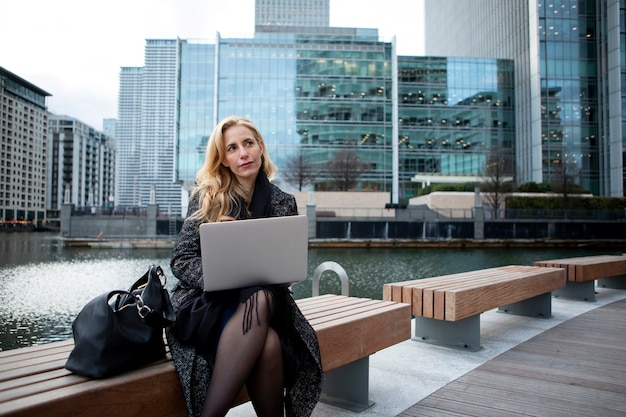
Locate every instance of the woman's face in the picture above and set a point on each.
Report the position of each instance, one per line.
(243, 154)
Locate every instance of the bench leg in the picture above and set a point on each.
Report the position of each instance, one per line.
(347, 387)
(585, 291)
(618, 282)
(539, 306)
(463, 334)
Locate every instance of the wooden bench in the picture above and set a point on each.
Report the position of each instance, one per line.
(582, 272)
(34, 382)
(447, 308)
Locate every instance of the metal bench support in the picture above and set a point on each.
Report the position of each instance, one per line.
(618, 282)
(539, 306)
(463, 334)
(347, 387)
(585, 290)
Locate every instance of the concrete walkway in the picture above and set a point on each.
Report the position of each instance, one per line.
(404, 374)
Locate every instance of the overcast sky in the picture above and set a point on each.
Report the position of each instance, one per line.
(73, 49)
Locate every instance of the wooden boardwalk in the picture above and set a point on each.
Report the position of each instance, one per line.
(577, 368)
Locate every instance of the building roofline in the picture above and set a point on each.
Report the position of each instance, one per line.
(18, 79)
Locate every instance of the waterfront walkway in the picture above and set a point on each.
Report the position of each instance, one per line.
(572, 364)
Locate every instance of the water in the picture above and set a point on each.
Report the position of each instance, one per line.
(43, 284)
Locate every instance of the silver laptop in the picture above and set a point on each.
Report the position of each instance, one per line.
(242, 253)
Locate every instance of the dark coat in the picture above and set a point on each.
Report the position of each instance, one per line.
(193, 370)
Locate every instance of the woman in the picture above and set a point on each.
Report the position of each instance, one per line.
(253, 337)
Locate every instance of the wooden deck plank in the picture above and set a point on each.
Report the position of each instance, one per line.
(531, 386)
(577, 368)
(499, 400)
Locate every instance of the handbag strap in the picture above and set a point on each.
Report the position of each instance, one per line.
(130, 300)
(153, 272)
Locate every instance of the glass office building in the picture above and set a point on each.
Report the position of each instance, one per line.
(454, 115)
(570, 80)
(320, 94)
(310, 92)
(312, 13)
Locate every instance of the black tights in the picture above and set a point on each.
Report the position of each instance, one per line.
(253, 359)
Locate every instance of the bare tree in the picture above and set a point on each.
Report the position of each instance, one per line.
(498, 179)
(345, 169)
(566, 179)
(298, 172)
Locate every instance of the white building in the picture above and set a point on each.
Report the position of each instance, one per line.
(81, 165)
(146, 130)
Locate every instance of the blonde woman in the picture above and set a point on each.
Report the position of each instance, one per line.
(254, 337)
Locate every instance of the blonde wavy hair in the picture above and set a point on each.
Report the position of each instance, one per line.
(216, 185)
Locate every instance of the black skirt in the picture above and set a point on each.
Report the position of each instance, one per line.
(201, 319)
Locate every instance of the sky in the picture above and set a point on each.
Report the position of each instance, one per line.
(73, 49)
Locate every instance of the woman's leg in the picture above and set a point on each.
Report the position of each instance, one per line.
(265, 383)
(238, 355)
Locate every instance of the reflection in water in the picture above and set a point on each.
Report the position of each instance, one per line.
(369, 269)
(43, 284)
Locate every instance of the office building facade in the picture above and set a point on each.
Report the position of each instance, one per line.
(310, 13)
(456, 115)
(23, 146)
(570, 80)
(81, 165)
(318, 97)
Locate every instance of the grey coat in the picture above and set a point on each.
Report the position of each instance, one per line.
(193, 370)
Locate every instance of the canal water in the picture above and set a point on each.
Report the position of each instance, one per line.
(44, 284)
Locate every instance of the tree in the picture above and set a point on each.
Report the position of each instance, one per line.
(498, 179)
(298, 172)
(566, 179)
(345, 169)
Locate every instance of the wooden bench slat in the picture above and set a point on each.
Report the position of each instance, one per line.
(405, 291)
(322, 300)
(316, 311)
(35, 360)
(432, 295)
(377, 329)
(34, 384)
(33, 379)
(44, 349)
(589, 268)
(394, 291)
(112, 396)
(338, 313)
(317, 299)
(33, 369)
(511, 285)
(463, 303)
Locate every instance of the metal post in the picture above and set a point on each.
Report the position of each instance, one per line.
(336, 268)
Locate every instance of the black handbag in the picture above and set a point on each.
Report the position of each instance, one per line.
(122, 330)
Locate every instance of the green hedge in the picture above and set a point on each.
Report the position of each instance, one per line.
(573, 202)
(466, 186)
